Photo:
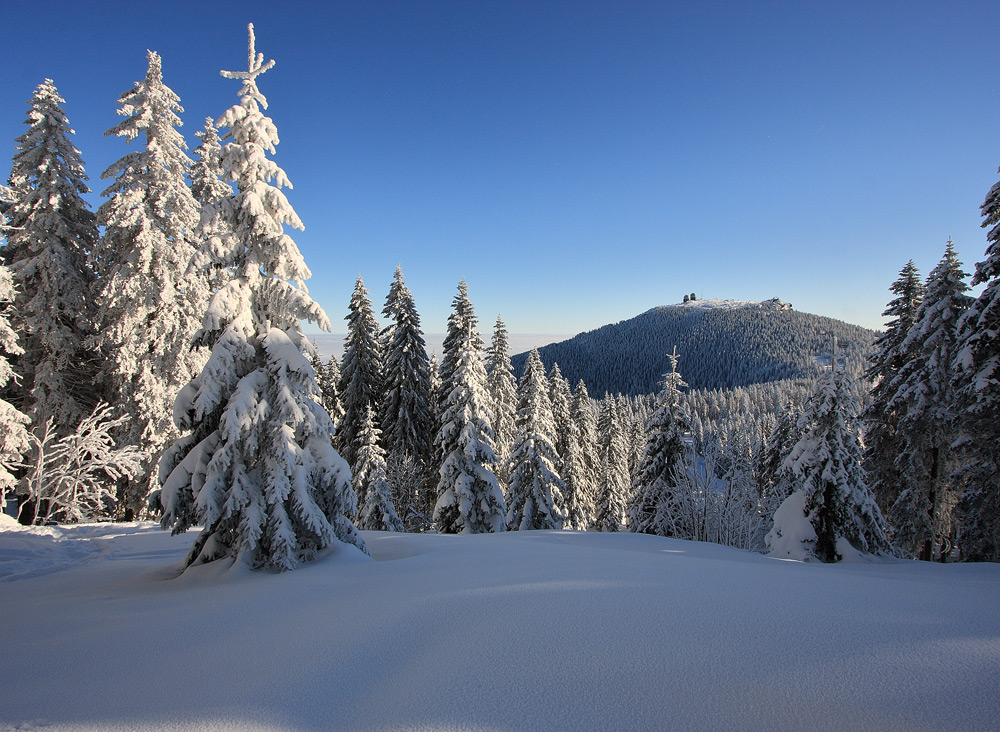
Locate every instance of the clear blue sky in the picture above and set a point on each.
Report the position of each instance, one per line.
(577, 162)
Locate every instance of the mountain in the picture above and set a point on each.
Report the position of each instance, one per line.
(722, 344)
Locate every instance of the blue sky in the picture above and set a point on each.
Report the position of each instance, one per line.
(577, 162)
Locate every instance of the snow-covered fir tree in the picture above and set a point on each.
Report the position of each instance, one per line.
(560, 398)
(13, 423)
(51, 235)
(407, 420)
(926, 402)
(584, 487)
(255, 465)
(148, 309)
(661, 458)
(328, 381)
(882, 444)
(360, 371)
(572, 467)
(979, 364)
(370, 483)
(535, 498)
(461, 321)
(502, 387)
(832, 501)
(612, 484)
(207, 185)
(469, 498)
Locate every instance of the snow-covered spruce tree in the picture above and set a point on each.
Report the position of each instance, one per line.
(460, 321)
(370, 483)
(502, 387)
(612, 483)
(535, 498)
(832, 501)
(661, 457)
(207, 185)
(926, 402)
(13, 433)
(882, 444)
(328, 381)
(572, 467)
(255, 465)
(360, 371)
(584, 489)
(148, 309)
(50, 236)
(469, 497)
(407, 420)
(979, 364)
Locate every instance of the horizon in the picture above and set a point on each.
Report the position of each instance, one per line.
(578, 164)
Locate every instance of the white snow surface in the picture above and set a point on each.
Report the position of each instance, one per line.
(546, 630)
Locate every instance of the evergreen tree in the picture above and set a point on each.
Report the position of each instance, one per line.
(148, 309)
(571, 466)
(51, 235)
(461, 322)
(407, 421)
(979, 364)
(661, 457)
(882, 444)
(207, 185)
(826, 462)
(584, 482)
(360, 371)
(535, 499)
(926, 401)
(328, 381)
(612, 486)
(502, 387)
(370, 483)
(469, 497)
(13, 433)
(255, 465)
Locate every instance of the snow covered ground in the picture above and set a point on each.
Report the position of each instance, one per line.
(519, 631)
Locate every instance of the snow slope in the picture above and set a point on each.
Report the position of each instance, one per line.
(518, 631)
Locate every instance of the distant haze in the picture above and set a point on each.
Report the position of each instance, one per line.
(333, 343)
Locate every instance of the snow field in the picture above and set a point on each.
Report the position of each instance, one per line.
(550, 630)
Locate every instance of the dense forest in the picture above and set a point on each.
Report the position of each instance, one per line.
(153, 365)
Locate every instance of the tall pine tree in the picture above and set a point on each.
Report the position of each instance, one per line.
(360, 371)
(535, 498)
(255, 465)
(51, 236)
(979, 363)
(13, 433)
(149, 309)
(502, 387)
(584, 486)
(376, 510)
(926, 402)
(612, 483)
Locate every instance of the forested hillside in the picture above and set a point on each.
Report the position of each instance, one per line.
(722, 343)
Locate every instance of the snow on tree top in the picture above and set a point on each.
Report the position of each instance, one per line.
(774, 303)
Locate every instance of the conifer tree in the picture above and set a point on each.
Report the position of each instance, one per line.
(51, 235)
(826, 462)
(370, 483)
(13, 433)
(585, 482)
(661, 457)
(882, 444)
(979, 364)
(502, 388)
(461, 322)
(925, 401)
(255, 465)
(207, 185)
(571, 465)
(535, 498)
(469, 499)
(612, 485)
(360, 371)
(148, 308)
(407, 421)
(328, 381)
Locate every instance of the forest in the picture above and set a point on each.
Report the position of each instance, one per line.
(153, 364)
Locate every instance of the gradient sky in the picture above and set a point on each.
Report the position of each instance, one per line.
(577, 162)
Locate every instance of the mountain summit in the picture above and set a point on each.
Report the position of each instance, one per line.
(722, 343)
